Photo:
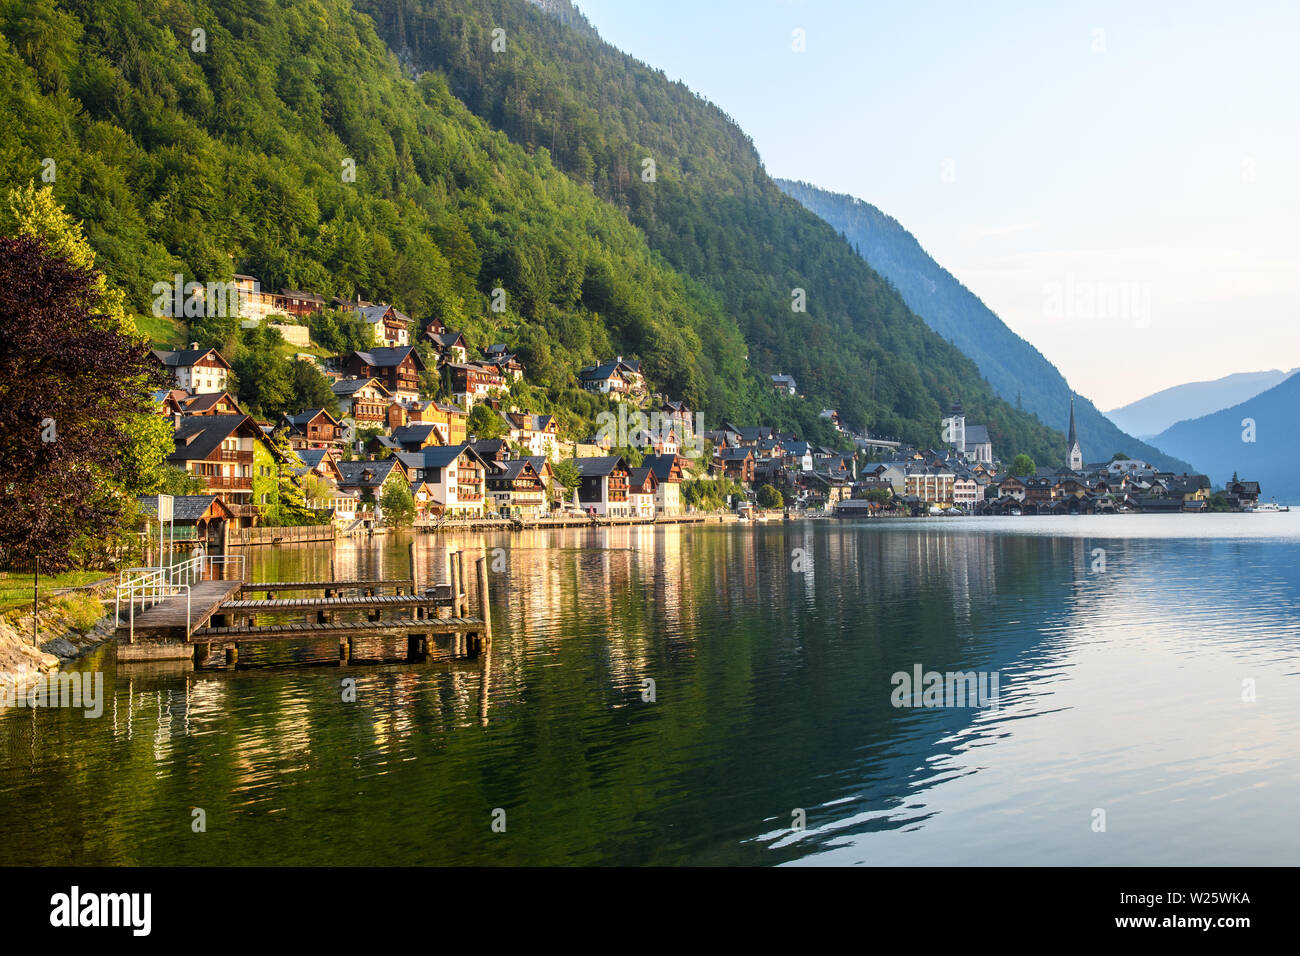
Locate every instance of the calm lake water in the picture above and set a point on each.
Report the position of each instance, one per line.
(1120, 690)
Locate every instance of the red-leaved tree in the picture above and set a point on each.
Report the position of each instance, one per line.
(69, 378)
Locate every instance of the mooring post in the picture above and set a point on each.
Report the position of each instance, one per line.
(410, 550)
(455, 584)
(485, 610)
(462, 595)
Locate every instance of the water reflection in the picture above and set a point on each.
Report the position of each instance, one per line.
(771, 650)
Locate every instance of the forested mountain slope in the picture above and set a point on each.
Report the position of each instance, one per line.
(231, 155)
(711, 211)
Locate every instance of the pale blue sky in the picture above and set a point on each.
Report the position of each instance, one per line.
(1142, 154)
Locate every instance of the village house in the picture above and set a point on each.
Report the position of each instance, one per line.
(299, 304)
(540, 434)
(195, 370)
(784, 384)
(516, 489)
(735, 463)
(473, 382)
(966, 491)
(507, 365)
(669, 471)
(1242, 494)
(641, 488)
(388, 327)
(602, 486)
(364, 400)
(366, 479)
(314, 428)
(233, 459)
(455, 475)
(416, 437)
(398, 369)
(322, 462)
(450, 346)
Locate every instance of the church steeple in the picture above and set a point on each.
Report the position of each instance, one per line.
(1073, 451)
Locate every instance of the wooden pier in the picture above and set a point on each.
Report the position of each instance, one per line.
(215, 623)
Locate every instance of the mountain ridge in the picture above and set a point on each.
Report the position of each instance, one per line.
(1011, 364)
(1161, 410)
(1254, 438)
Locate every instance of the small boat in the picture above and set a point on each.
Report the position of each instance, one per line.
(1014, 512)
(1271, 506)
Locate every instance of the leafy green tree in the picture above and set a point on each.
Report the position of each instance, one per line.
(485, 424)
(769, 497)
(1022, 465)
(566, 474)
(398, 504)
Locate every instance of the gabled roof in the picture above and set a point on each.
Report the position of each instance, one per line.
(734, 454)
(514, 467)
(445, 340)
(198, 404)
(598, 373)
(198, 436)
(304, 418)
(183, 358)
(642, 480)
(187, 507)
(390, 357)
(662, 465)
(439, 456)
(366, 474)
(350, 386)
(415, 434)
(599, 467)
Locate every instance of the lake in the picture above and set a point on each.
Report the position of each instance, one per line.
(1147, 709)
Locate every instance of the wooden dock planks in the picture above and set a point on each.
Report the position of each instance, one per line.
(271, 632)
(167, 618)
(363, 602)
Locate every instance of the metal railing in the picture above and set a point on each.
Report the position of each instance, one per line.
(146, 587)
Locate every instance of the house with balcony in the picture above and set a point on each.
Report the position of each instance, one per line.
(456, 477)
(398, 369)
(366, 479)
(388, 327)
(602, 486)
(472, 382)
(517, 490)
(195, 370)
(314, 428)
(784, 384)
(233, 458)
(738, 464)
(450, 345)
(641, 488)
(540, 434)
(669, 471)
(364, 400)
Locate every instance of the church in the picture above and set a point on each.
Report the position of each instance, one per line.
(970, 441)
(1073, 450)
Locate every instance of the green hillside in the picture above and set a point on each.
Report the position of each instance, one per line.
(711, 211)
(226, 151)
(231, 160)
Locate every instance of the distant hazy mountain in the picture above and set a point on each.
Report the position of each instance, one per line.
(1217, 442)
(1151, 415)
(1016, 370)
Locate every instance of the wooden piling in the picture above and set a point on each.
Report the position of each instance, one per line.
(456, 584)
(485, 610)
(415, 581)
